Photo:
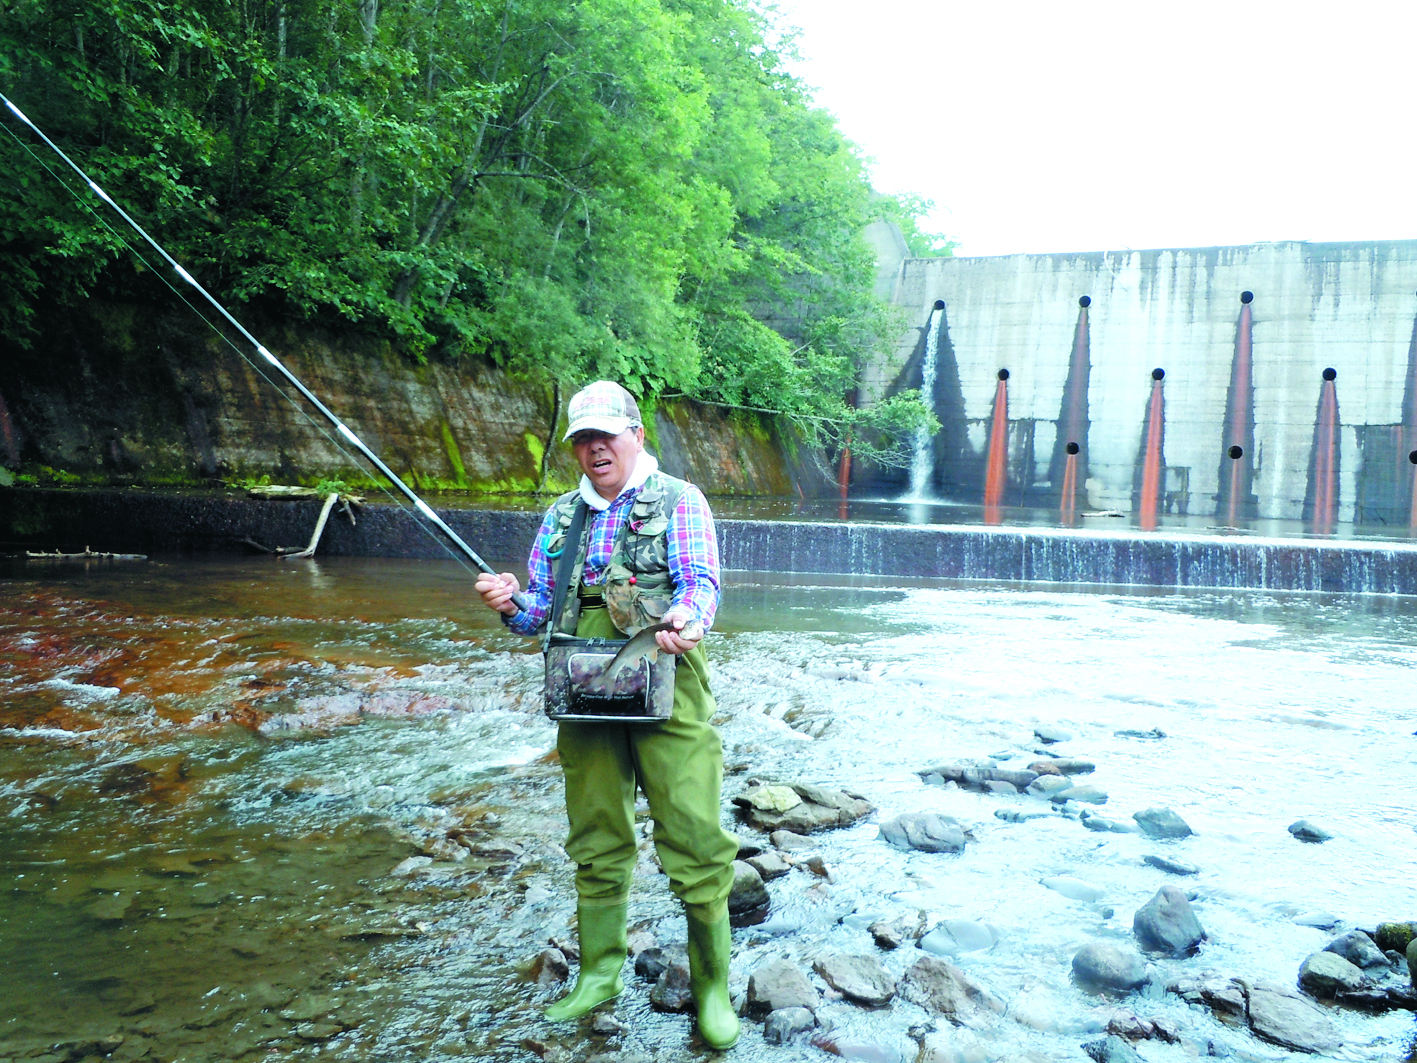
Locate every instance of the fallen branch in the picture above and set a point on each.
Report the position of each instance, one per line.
(88, 555)
(309, 551)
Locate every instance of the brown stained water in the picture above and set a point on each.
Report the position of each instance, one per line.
(254, 809)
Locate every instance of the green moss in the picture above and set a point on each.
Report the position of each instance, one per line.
(537, 449)
(1394, 937)
(454, 455)
(648, 405)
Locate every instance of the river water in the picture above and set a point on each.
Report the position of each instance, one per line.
(254, 808)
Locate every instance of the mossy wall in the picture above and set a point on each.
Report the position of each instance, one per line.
(115, 395)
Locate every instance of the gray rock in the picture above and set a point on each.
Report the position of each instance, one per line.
(606, 1025)
(1170, 866)
(1095, 821)
(671, 991)
(1050, 735)
(1325, 973)
(1358, 949)
(1105, 966)
(779, 984)
(551, 967)
(749, 896)
(769, 865)
(1319, 920)
(858, 978)
(1309, 832)
(1155, 734)
(1087, 795)
(1287, 1019)
(1393, 998)
(1167, 924)
(1162, 823)
(888, 935)
(1132, 1028)
(818, 808)
(1112, 1050)
(999, 786)
(749, 847)
(1412, 961)
(927, 831)
(1074, 889)
(790, 842)
(1225, 996)
(977, 776)
(651, 962)
(944, 989)
(1063, 766)
(784, 1024)
(1045, 785)
(1395, 936)
(1018, 815)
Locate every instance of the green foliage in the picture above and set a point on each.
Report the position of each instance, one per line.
(634, 189)
(910, 212)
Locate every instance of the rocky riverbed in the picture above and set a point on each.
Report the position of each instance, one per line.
(252, 810)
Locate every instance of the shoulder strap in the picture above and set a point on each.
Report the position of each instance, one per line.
(564, 575)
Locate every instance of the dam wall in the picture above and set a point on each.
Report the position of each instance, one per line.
(1346, 307)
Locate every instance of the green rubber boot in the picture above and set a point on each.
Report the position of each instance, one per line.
(602, 937)
(710, 946)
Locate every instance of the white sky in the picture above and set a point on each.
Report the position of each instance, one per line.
(1041, 125)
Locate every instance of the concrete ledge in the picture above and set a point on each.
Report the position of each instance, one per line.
(152, 522)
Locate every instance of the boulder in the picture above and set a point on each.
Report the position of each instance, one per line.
(1358, 949)
(1063, 766)
(1395, 936)
(769, 865)
(786, 841)
(671, 990)
(1133, 1028)
(1112, 1050)
(927, 831)
(779, 984)
(1309, 832)
(1094, 821)
(887, 934)
(748, 899)
(1325, 973)
(817, 808)
(1049, 734)
(939, 986)
(1288, 1020)
(1162, 823)
(1087, 795)
(1167, 924)
(861, 979)
(785, 1024)
(1103, 966)
(1226, 997)
(1045, 785)
(1170, 866)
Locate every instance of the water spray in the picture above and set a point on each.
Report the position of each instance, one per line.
(344, 431)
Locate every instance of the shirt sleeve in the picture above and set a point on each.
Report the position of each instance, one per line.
(539, 583)
(693, 557)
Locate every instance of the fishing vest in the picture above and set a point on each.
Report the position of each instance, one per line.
(637, 586)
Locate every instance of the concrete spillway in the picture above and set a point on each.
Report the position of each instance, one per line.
(1243, 334)
(143, 522)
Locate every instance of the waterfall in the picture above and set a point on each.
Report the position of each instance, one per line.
(922, 467)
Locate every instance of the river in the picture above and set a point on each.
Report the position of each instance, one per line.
(253, 807)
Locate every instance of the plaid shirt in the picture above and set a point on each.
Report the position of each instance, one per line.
(693, 559)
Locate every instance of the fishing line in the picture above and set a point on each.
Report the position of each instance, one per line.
(420, 506)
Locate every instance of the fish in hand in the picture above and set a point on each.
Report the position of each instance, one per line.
(642, 645)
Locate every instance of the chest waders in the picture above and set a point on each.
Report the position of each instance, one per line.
(678, 763)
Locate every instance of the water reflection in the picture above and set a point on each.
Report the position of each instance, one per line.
(374, 880)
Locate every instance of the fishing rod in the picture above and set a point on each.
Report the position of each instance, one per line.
(343, 429)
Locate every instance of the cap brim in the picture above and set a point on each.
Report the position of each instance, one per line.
(609, 425)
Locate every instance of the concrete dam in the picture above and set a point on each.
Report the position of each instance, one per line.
(1273, 381)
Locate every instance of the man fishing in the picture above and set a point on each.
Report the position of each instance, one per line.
(648, 556)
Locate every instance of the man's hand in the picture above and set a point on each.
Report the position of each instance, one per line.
(685, 635)
(497, 592)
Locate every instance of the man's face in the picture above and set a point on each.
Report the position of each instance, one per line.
(608, 460)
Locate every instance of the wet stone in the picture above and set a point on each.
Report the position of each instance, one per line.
(860, 979)
(927, 831)
(1320, 920)
(550, 967)
(1045, 785)
(671, 990)
(785, 1024)
(1166, 923)
(748, 900)
(568, 944)
(887, 934)
(1017, 815)
(1288, 1020)
(1073, 888)
(1395, 936)
(1093, 821)
(999, 786)
(779, 984)
(748, 848)
(1305, 831)
(1050, 734)
(818, 809)
(1156, 734)
(1324, 973)
(652, 962)
(1358, 949)
(1133, 1028)
(941, 987)
(1105, 966)
(769, 865)
(787, 841)
(1171, 866)
(1086, 795)
(606, 1025)
(1111, 1050)
(1162, 823)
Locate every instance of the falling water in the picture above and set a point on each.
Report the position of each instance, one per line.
(922, 468)
(1325, 476)
(1151, 462)
(996, 468)
(1068, 506)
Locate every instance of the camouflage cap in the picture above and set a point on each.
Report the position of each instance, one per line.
(603, 406)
